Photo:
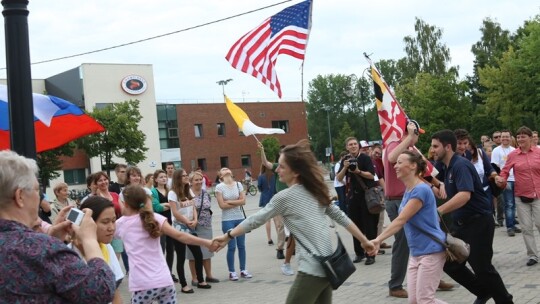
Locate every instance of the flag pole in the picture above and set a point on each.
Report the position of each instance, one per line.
(391, 92)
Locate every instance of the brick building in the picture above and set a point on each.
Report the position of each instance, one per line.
(209, 138)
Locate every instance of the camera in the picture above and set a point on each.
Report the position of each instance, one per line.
(352, 162)
(75, 216)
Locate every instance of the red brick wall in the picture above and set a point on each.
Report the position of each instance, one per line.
(212, 147)
(79, 160)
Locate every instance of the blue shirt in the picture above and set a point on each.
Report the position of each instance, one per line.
(426, 218)
(461, 175)
(267, 187)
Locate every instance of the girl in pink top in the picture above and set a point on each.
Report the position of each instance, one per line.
(140, 229)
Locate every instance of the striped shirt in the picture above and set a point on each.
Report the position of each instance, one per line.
(305, 217)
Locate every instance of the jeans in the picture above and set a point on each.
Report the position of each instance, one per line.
(340, 191)
(239, 241)
(400, 249)
(509, 205)
(485, 281)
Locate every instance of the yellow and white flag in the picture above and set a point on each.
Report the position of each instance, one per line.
(244, 124)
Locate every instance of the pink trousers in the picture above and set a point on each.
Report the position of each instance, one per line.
(423, 276)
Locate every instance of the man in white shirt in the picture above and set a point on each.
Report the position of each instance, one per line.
(340, 186)
(169, 168)
(498, 157)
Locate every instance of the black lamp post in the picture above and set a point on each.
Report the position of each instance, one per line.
(19, 79)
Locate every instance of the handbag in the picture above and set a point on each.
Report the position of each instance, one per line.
(374, 197)
(456, 249)
(338, 266)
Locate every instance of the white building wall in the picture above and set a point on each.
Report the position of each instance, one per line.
(102, 84)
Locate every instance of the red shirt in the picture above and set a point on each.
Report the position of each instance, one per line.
(393, 187)
(526, 167)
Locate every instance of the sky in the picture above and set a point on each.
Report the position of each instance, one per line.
(188, 64)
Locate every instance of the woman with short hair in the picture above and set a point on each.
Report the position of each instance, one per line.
(29, 260)
(62, 199)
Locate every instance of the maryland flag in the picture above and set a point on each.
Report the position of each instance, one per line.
(244, 124)
(392, 119)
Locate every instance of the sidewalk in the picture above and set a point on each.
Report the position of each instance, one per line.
(367, 285)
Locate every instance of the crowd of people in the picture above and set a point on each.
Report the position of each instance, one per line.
(147, 223)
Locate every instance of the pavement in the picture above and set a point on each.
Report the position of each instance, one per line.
(367, 285)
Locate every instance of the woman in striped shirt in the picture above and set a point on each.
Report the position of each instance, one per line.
(304, 207)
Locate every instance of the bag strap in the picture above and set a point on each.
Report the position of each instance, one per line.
(333, 225)
(202, 201)
(241, 207)
(361, 181)
(431, 236)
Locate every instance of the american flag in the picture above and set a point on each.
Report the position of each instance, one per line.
(284, 33)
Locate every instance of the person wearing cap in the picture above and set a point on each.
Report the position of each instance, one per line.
(353, 167)
(394, 190)
(364, 147)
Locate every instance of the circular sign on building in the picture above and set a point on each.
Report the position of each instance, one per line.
(134, 84)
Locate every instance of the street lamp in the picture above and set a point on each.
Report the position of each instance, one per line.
(353, 91)
(223, 83)
(331, 154)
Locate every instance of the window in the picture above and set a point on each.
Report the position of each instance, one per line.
(246, 161)
(173, 132)
(224, 161)
(102, 105)
(75, 177)
(168, 126)
(281, 124)
(198, 130)
(201, 163)
(221, 129)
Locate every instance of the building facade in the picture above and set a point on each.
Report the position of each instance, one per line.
(209, 138)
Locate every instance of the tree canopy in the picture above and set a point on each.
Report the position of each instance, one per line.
(122, 137)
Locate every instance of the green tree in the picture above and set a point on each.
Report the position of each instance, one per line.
(271, 148)
(436, 102)
(339, 142)
(487, 51)
(512, 86)
(425, 53)
(332, 101)
(122, 137)
(49, 163)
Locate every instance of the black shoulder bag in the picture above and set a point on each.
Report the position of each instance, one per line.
(337, 266)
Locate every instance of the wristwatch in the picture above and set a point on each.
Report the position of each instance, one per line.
(229, 234)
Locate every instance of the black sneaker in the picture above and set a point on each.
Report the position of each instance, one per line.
(531, 262)
(174, 278)
(280, 255)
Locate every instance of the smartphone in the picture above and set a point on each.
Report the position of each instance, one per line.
(75, 216)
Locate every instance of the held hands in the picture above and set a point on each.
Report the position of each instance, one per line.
(501, 182)
(221, 241)
(368, 246)
(213, 246)
(375, 249)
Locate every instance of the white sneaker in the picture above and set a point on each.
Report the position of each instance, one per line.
(287, 269)
(245, 274)
(233, 276)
